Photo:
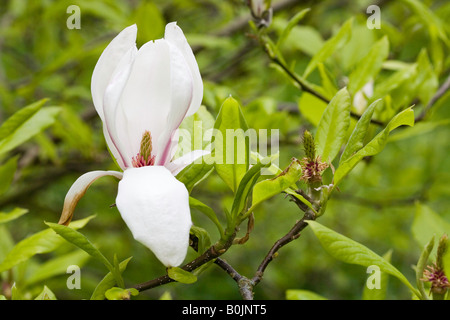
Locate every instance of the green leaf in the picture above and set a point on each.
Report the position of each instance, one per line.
(291, 24)
(421, 265)
(406, 117)
(294, 294)
(200, 206)
(352, 252)
(80, 240)
(266, 189)
(245, 188)
(446, 262)
(24, 124)
(427, 224)
(42, 242)
(7, 172)
(181, 275)
(14, 214)
(204, 240)
(431, 20)
(195, 173)
(330, 46)
(356, 140)
(333, 126)
(368, 67)
(192, 132)
(311, 108)
(107, 282)
(16, 294)
(378, 293)
(57, 266)
(231, 158)
(46, 294)
(120, 294)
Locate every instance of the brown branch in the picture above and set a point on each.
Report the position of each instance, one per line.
(245, 285)
(304, 86)
(212, 253)
(293, 234)
(439, 94)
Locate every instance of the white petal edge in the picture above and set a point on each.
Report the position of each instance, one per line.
(108, 62)
(182, 162)
(175, 35)
(155, 207)
(78, 189)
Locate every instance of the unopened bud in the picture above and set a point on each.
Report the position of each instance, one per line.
(309, 145)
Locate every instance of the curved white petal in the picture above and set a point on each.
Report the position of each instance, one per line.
(115, 122)
(180, 163)
(181, 90)
(155, 207)
(78, 189)
(145, 100)
(175, 35)
(108, 62)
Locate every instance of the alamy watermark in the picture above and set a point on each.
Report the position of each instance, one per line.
(74, 280)
(74, 20)
(236, 146)
(374, 20)
(374, 280)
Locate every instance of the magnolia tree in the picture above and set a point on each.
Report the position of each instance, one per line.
(166, 144)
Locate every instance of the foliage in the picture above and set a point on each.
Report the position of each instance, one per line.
(375, 100)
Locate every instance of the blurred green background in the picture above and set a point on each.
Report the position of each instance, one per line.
(41, 58)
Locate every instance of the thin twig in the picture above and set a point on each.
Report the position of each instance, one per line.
(439, 94)
(212, 253)
(293, 234)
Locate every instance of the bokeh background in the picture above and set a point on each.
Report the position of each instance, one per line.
(41, 58)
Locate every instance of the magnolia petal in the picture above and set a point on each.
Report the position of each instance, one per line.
(175, 35)
(116, 124)
(78, 189)
(108, 62)
(146, 98)
(181, 90)
(180, 163)
(155, 207)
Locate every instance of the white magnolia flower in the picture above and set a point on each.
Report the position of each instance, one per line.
(142, 96)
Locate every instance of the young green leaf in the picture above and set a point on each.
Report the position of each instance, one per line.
(294, 294)
(42, 242)
(26, 123)
(204, 240)
(203, 208)
(350, 251)
(333, 126)
(108, 282)
(330, 46)
(46, 294)
(356, 140)
(291, 24)
(427, 223)
(7, 172)
(245, 188)
(420, 268)
(14, 214)
(369, 66)
(231, 145)
(57, 266)
(120, 293)
(406, 117)
(266, 189)
(80, 240)
(194, 173)
(181, 275)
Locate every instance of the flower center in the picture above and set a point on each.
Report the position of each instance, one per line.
(144, 157)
